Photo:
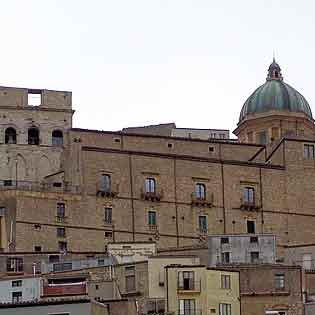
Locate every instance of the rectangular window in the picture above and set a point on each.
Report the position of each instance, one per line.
(200, 191)
(108, 215)
(249, 195)
(61, 232)
(225, 258)
(16, 283)
(309, 151)
(186, 280)
(62, 246)
(130, 275)
(250, 226)
(279, 281)
(108, 235)
(15, 264)
(16, 297)
(254, 257)
(203, 224)
(187, 307)
(150, 185)
(225, 309)
(37, 249)
(225, 240)
(59, 267)
(61, 209)
(106, 183)
(225, 282)
(253, 239)
(152, 218)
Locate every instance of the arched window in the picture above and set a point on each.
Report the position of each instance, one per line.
(57, 138)
(33, 136)
(10, 135)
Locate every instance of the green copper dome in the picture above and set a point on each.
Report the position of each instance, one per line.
(275, 95)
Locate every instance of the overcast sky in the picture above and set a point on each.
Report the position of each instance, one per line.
(138, 62)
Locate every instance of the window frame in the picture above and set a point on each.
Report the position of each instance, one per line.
(225, 281)
(15, 264)
(249, 227)
(7, 135)
(59, 234)
(200, 191)
(57, 141)
(225, 309)
(249, 195)
(203, 226)
(61, 209)
(106, 182)
(33, 140)
(130, 275)
(108, 215)
(309, 151)
(17, 297)
(150, 185)
(152, 214)
(280, 281)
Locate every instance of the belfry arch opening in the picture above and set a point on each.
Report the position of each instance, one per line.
(10, 136)
(57, 138)
(33, 136)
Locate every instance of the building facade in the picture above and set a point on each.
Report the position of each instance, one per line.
(69, 189)
(243, 248)
(197, 290)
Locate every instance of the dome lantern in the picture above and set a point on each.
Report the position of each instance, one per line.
(274, 71)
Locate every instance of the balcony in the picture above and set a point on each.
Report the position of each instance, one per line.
(60, 219)
(64, 289)
(249, 205)
(152, 195)
(153, 227)
(188, 288)
(202, 201)
(110, 192)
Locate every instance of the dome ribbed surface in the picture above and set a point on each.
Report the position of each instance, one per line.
(275, 95)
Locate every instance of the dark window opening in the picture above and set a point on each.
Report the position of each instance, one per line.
(251, 227)
(57, 138)
(211, 149)
(37, 249)
(16, 297)
(62, 246)
(16, 283)
(279, 281)
(108, 215)
(61, 210)
(7, 182)
(108, 234)
(152, 218)
(170, 145)
(56, 184)
(10, 136)
(15, 264)
(61, 232)
(225, 240)
(33, 136)
(253, 239)
(225, 258)
(53, 258)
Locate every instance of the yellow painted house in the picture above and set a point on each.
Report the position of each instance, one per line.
(198, 290)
